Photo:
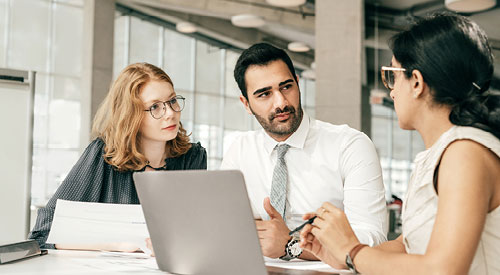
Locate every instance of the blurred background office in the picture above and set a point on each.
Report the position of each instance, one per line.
(77, 47)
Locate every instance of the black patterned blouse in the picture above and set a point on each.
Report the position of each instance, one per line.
(94, 180)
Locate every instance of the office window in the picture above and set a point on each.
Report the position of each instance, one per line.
(396, 148)
(67, 41)
(46, 37)
(120, 43)
(145, 42)
(235, 116)
(208, 68)
(231, 87)
(308, 94)
(179, 69)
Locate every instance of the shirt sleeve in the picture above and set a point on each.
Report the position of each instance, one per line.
(364, 193)
(81, 184)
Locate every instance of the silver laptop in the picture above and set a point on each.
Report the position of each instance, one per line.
(200, 222)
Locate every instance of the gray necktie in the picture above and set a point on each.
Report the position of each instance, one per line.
(280, 179)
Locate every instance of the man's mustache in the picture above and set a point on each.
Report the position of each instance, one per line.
(286, 109)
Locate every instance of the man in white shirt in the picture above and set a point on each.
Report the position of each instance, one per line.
(320, 161)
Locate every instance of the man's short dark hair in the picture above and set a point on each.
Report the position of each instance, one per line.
(260, 54)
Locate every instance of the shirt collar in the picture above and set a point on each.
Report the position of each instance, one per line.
(296, 140)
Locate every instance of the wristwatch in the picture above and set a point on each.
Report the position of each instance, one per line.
(349, 258)
(292, 248)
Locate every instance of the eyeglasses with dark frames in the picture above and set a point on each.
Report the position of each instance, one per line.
(388, 77)
(158, 109)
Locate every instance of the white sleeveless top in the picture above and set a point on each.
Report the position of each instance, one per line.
(421, 201)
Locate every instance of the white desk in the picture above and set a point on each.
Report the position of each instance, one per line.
(94, 262)
(81, 262)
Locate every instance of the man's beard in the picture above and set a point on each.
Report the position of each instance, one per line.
(281, 128)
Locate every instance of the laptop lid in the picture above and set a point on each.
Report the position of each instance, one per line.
(200, 222)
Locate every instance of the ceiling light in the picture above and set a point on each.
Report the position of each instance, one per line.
(286, 3)
(185, 27)
(298, 47)
(469, 5)
(247, 21)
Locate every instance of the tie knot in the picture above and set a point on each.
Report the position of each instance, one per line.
(282, 149)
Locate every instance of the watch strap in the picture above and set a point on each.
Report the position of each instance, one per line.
(286, 257)
(350, 256)
(356, 249)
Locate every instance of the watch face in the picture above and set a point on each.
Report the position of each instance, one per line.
(295, 249)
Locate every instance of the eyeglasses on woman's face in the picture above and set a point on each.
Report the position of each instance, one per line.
(158, 109)
(388, 77)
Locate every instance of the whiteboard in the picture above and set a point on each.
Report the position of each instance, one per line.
(16, 146)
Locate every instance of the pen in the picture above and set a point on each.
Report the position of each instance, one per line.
(311, 220)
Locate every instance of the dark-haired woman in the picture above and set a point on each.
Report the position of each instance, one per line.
(439, 79)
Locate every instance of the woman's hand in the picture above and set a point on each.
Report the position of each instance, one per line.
(310, 243)
(330, 237)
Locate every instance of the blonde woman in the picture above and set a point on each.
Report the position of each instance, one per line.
(439, 80)
(137, 128)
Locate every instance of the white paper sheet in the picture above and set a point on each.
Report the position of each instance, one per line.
(121, 262)
(304, 265)
(97, 223)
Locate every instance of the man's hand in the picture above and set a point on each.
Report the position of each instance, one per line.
(273, 234)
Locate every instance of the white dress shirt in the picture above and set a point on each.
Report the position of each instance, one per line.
(326, 163)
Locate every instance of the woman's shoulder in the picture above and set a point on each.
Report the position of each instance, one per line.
(194, 158)
(92, 156)
(460, 139)
(196, 148)
(95, 145)
(196, 151)
(467, 153)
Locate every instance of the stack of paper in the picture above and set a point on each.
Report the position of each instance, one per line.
(84, 223)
